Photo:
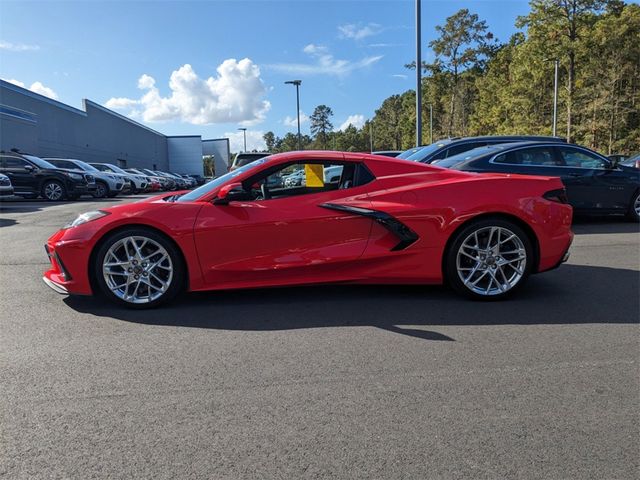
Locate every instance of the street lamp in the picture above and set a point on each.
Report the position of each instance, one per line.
(244, 132)
(297, 84)
(418, 78)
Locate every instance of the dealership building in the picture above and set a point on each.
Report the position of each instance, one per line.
(38, 125)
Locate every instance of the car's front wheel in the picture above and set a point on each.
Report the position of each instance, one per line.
(53, 190)
(489, 259)
(139, 268)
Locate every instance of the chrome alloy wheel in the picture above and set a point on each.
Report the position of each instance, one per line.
(491, 261)
(137, 269)
(53, 191)
(636, 205)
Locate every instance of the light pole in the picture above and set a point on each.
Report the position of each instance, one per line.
(244, 132)
(297, 84)
(556, 64)
(418, 79)
(555, 96)
(430, 124)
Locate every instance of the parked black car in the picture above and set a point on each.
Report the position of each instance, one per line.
(453, 146)
(594, 184)
(32, 177)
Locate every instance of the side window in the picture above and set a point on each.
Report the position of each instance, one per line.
(464, 147)
(576, 158)
(15, 163)
(440, 155)
(304, 178)
(539, 156)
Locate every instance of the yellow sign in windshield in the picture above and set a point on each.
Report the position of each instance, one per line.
(314, 174)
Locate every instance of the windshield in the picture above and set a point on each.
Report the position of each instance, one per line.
(631, 161)
(408, 153)
(115, 169)
(425, 152)
(85, 166)
(464, 156)
(216, 182)
(40, 162)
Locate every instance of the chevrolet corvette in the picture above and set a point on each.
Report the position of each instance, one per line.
(374, 220)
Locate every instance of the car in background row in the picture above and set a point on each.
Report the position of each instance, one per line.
(34, 177)
(6, 189)
(139, 183)
(153, 181)
(200, 180)
(453, 146)
(595, 186)
(242, 159)
(107, 184)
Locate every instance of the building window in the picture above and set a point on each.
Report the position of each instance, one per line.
(122, 163)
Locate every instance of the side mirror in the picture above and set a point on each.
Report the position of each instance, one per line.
(229, 193)
(29, 168)
(613, 163)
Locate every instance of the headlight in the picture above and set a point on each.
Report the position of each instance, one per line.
(74, 176)
(87, 217)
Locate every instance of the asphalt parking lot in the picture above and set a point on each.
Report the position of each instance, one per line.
(322, 382)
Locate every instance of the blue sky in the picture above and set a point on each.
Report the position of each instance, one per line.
(178, 66)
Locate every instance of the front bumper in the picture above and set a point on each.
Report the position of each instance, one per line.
(68, 272)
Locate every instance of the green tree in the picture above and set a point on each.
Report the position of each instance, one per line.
(321, 124)
(270, 140)
(560, 26)
(464, 42)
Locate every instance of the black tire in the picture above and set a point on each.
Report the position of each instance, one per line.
(633, 214)
(53, 190)
(102, 190)
(176, 285)
(450, 268)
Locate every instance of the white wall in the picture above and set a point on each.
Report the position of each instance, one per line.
(185, 154)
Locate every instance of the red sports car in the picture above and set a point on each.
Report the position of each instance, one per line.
(354, 218)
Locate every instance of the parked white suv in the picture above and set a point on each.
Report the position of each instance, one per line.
(139, 183)
(107, 184)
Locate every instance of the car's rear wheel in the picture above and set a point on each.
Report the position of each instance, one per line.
(489, 259)
(139, 268)
(634, 208)
(53, 190)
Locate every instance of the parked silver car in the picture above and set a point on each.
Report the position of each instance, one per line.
(139, 183)
(107, 184)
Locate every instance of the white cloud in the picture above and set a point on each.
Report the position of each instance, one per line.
(36, 87)
(357, 31)
(399, 75)
(254, 141)
(233, 96)
(324, 63)
(355, 120)
(293, 121)
(18, 47)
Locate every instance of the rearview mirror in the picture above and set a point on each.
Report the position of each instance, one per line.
(229, 193)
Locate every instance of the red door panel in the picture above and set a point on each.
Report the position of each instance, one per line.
(288, 240)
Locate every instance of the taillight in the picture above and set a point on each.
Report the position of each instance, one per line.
(559, 195)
